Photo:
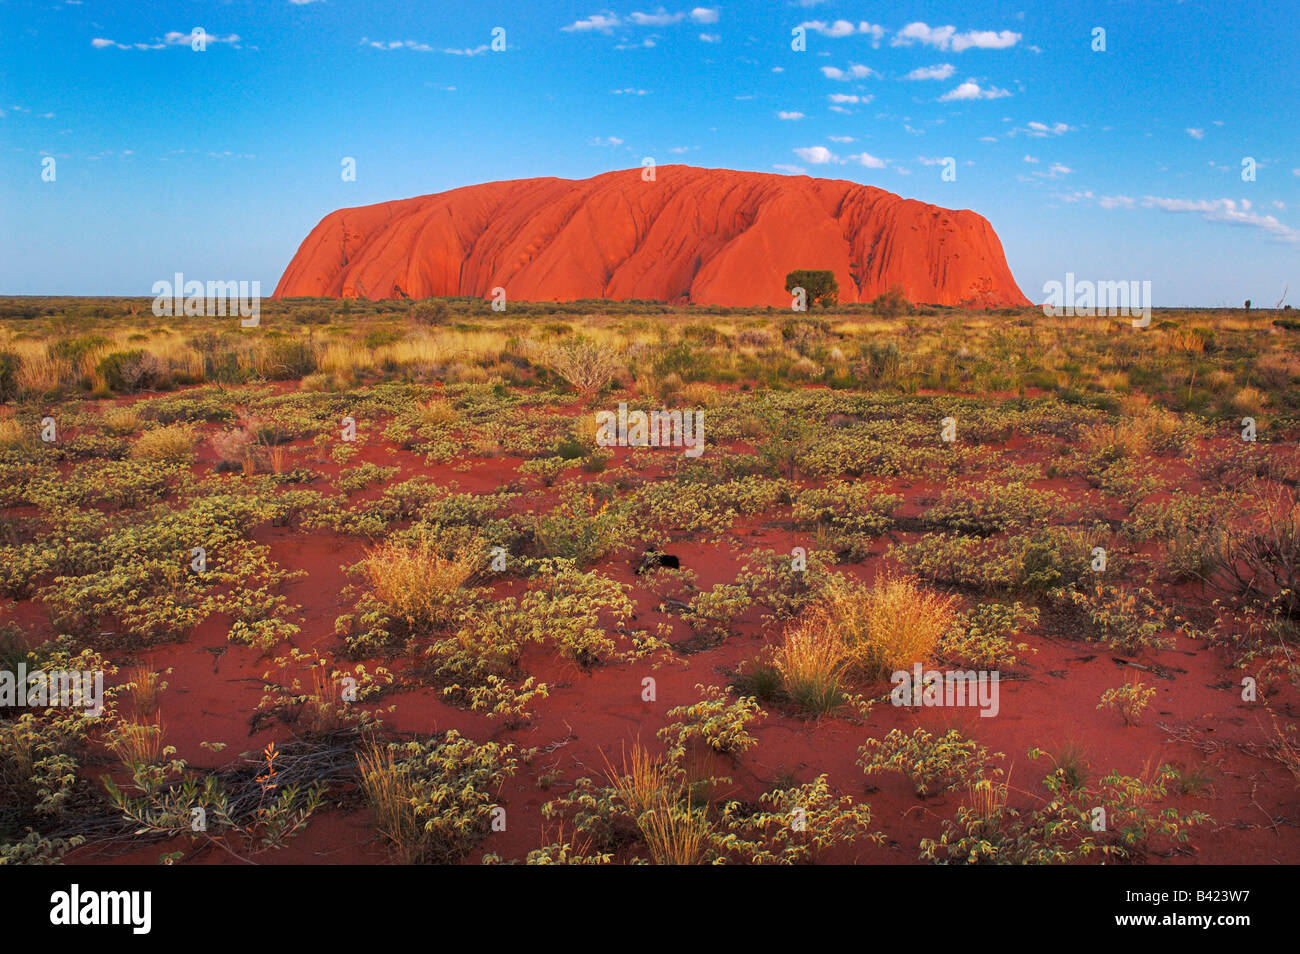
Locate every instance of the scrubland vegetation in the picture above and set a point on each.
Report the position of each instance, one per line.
(364, 568)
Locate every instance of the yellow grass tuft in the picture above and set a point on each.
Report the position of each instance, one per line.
(13, 434)
(392, 798)
(675, 832)
(120, 421)
(175, 442)
(811, 661)
(146, 689)
(137, 742)
(1248, 401)
(886, 628)
(436, 412)
(417, 582)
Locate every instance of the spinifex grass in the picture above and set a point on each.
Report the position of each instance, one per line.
(391, 796)
(675, 831)
(417, 581)
(812, 661)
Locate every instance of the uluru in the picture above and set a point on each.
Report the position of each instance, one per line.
(685, 236)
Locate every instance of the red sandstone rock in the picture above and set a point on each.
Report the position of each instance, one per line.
(703, 236)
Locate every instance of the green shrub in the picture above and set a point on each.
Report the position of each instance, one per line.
(934, 764)
(133, 370)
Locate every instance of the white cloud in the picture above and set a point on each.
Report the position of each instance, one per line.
(947, 37)
(816, 155)
(173, 38)
(185, 39)
(985, 40)
(608, 22)
(629, 91)
(792, 170)
(839, 28)
(1055, 171)
(1030, 159)
(940, 71)
(1227, 212)
(873, 30)
(1220, 211)
(1042, 130)
(868, 160)
(601, 22)
(422, 47)
(855, 71)
(849, 98)
(660, 17)
(783, 114)
(610, 141)
(1196, 133)
(841, 138)
(972, 90)
(820, 156)
(921, 33)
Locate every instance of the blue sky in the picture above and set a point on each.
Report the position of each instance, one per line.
(1117, 165)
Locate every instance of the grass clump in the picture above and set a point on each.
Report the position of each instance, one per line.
(434, 800)
(173, 443)
(812, 661)
(418, 582)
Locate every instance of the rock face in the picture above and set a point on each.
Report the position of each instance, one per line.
(699, 236)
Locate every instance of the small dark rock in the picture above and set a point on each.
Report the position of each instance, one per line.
(653, 558)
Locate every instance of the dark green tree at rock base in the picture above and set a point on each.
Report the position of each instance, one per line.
(819, 286)
(891, 303)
